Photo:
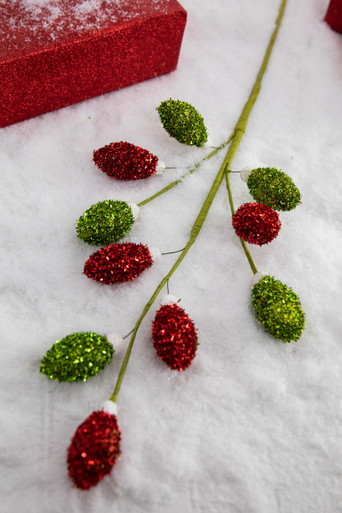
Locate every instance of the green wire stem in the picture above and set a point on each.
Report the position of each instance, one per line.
(192, 170)
(232, 209)
(235, 139)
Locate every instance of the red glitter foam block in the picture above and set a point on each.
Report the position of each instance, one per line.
(55, 53)
(334, 15)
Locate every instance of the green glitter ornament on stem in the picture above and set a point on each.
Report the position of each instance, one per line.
(183, 122)
(275, 304)
(278, 309)
(106, 222)
(77, 357)
(273, 188)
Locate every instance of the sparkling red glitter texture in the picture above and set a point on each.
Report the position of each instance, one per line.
(125, 161)
(118, 263)
(174, 336)
(58, 53)
(334, 15)
(256, 223)
(94, 449)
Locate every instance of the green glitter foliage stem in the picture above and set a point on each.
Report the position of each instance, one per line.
(77, 357)
(105, 222)
(273, 188)
(196, 228)
(182, 122)
(278, 309)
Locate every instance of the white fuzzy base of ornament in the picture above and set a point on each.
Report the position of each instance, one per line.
(254, 425)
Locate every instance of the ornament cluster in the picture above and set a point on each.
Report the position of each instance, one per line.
(273, 190)
(95, 446)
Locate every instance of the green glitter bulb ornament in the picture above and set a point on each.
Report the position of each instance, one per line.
(182, 121)
(106, 222)
(77, 357)
(278, 309)
(273, 188)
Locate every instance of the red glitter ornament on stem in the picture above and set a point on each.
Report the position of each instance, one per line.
(125, 161)
(118, 263)
(256, 223)
(174, 336)
(94, 449)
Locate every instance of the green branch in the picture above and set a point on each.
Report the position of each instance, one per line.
(235, 139)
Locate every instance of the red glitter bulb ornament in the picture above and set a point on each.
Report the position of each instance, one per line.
(94, 449)
(125, 161)
(256, 223)
(118, 263)
(334, 15)
(174, 336)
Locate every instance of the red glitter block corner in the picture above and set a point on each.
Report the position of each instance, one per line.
(334, 15)
(55, 53)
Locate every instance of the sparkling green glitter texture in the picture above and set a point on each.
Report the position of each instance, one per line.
(77, 357)
(278, 309)
(273, 188)
(182, 121)
(105, 222)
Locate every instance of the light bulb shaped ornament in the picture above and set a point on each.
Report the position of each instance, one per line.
(125, 161)
(278, 309)
(118, 263)
(77, 357)
(106, 222)
(94, 448)
(182, 122)
(256, 223)
(273, 188)
(174, 336)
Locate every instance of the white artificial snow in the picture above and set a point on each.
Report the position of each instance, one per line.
(117, 341)
(135, 210)
(50, 22)
(110, 407)
(168, 299)
(160, 167)
(155, 254)
(253, 425)
(244, 174)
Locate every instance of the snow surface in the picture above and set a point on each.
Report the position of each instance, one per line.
(254, 425)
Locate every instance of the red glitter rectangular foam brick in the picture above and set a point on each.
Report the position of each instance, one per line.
(55, 53)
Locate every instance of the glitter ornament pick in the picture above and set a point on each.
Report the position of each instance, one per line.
(94, 449)
(118, 263)
(256, 223)
(278, 309)
(273, 188)
(105, 222)
(125, 161)
(182, 121)
(77, 357)
(174, 336)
